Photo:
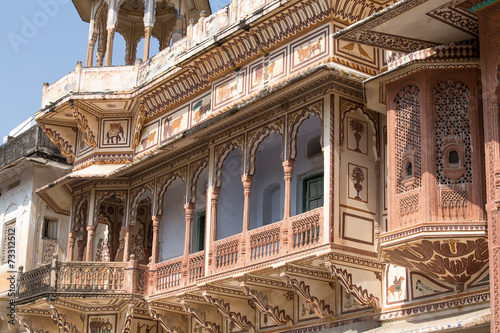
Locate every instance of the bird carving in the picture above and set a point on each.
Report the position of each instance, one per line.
(363, 53)
(348, 47)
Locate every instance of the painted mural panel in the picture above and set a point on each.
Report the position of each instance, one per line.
(149, 137)
(277, 67)
(423, 287)
(115, 133)
(175, 123)
(143, 325)
(355, 52)
(229, 90)
(82, 147)
(201, 109)
(105, 323)
(310, 49)
(396, 284)
(257, 76)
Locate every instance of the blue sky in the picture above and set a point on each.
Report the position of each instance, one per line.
(41, 41)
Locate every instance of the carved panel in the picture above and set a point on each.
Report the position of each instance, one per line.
(407, 138)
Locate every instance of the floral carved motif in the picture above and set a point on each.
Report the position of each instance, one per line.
(345, 278)
(358, 177)
(451, 260)
(319, 307)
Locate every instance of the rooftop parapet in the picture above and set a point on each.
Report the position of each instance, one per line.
(32, 142)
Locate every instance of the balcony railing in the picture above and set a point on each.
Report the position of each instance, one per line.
(256, 246)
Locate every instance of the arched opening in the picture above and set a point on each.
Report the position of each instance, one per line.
(267, 196)
(141, 236)
(453, 157)
(409, 170)
(199, 216)
(231, 199)
(308, 170)
(107, 231)
(173, 223)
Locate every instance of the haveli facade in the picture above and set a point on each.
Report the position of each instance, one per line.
(277, 166)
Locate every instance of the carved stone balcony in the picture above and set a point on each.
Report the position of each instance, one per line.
(257, 249)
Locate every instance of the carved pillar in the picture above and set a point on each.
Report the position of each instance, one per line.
(288, 169)
(71, 245)
(81, 249)
(147, 39)
(177, 34)
(247, 191)
(90, 50)
(90, 242)
(213, 227)
(189, 209)
(109, 46)
(156, 230)
(126, 243)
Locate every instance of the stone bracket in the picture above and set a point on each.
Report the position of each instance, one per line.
(26, 323)
(60, 320)
(278, 316)
(225, 310)
(345, 278)
(199, 317)
(321, 310)
(127, 320)
(164, 322)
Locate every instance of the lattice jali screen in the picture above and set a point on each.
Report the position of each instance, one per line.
(408, 135)
(452, 124)
(408, 205)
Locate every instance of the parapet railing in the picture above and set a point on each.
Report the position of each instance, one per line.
(255, 246)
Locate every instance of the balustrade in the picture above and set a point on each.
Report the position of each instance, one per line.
(268, 242)
(169, 274)
(227, 252)
(98, 276)
(34, 282)
(265, 241)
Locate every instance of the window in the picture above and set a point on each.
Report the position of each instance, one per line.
(312, 193)
(453, 157)
(9, 236)
(50, 228)
(409, 170)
